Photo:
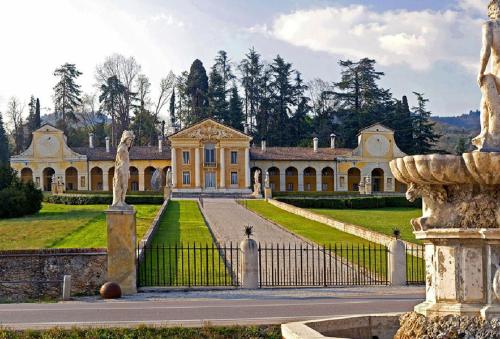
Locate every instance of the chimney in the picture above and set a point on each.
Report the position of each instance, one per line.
(332, 140)
(263, 145)
(160, 144)
(245, 128)
(107, 144)
(315, 144)
(91, 140)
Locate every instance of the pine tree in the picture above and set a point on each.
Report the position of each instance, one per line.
(461, 146)
(217, 105)
(197, 87)
(235, 113)
(251, 69)
(4, 145)
(111, 97)
(66, 95)
(283, 98)
(362, 102)
(300, 120)
(424, 137)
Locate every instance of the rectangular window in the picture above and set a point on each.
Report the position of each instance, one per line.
(82, 182)
(134, 186)
(234, 178)
(234, 157)
(324, 187)
(186, 178)
(185, 157)
(308, 187)
(209, 156)
(273, 186)
(289, 187)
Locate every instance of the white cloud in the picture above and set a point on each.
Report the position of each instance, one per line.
(417, 39)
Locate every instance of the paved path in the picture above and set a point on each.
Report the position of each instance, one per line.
(228, 219)
(286, 265)
(230, 307)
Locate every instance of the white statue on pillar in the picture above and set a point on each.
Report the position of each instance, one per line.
(169, 177)
(489, 138)
(266, 180)
(122, 171)
(256, 185)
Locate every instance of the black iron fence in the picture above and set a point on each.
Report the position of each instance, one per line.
(415, 264)
(328, 265)
(188, 265)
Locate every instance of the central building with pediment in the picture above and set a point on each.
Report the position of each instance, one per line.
(211, 157)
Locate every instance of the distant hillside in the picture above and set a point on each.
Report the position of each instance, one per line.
(452, 129)
(469, 121)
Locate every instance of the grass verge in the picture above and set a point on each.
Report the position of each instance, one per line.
(142, 332)
(65, 226)
(182, 252)
(382, 220)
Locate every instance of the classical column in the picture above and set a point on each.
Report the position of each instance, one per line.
(173, 159)
(301, 181)
(197, 167)
(319, 183)
(141, 179)
(222, 169)
(247, 167)
(282, 180)
(105, 180)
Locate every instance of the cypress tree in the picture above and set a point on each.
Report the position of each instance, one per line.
(171, 110)
(4, 145)
(217, 105)
(197, 87)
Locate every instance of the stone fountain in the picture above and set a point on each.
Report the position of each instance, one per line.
(460, 225)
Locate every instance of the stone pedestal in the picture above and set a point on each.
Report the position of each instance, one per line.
(268, 194)
(397, 263)
(249, 264)
(461, 265)
(256, 190)
(121, 248)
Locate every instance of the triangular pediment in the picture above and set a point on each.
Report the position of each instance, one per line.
(48, 128)
(209, 129)
(376, 128)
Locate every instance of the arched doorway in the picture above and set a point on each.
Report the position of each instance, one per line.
(148, 175)
(133, 181)
(111, 175)
(47, 178)
(309, 179)
(274, 178)
(327, 179)
(96, 179)
(252, 176)
(353, 179)
(378, 180)
(71, 179)
(291, 179)
(26, 175)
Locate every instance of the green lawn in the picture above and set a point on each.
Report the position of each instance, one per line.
(323, 235)
(182, 252)
(55, 226)
(383, 220)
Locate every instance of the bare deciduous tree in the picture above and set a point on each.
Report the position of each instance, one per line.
(15, 115)
(166, 86)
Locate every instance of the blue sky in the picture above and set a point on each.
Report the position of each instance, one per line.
(421, 45)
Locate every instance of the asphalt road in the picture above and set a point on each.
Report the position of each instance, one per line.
(226, 307)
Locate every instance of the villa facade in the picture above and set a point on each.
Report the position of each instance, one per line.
(211, 157)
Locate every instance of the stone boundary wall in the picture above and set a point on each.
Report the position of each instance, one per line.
(38, 274)
(148, 236)
(356, 230)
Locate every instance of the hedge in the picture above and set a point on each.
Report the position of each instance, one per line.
(352, 203)
(89, 199)
(17, 198)
(317, 194)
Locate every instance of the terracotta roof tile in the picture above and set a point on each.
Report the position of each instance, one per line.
(298, 153)
(136, 153)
